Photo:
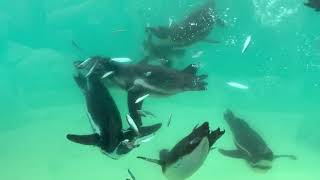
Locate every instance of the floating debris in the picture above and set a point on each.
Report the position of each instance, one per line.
(197, 54)
(142, 98)
(84, 63)
(169, 120)
(132, 124)
(246, 44)
(237, 85)
(121, 60)
(131, 175)
(107, 74)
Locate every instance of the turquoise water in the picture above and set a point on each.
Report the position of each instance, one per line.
(40, 103)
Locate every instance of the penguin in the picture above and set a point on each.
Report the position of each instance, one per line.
(196, 27)
(142, 78)
(315, 4)
(164, 42)
(109, 136)
(188, 155)
(250, 146)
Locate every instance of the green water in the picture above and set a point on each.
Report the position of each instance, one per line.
(40, 103)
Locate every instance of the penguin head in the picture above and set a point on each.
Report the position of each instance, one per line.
(199, 132)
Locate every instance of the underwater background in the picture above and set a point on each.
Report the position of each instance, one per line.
(40, 103)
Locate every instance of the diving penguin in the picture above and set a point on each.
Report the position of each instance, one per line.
(187, 156)
(110, 136)
(166, 43)
(196, 27)
(142, 78)
(249, 144)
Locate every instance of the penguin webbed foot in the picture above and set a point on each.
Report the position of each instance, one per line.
(92, 139)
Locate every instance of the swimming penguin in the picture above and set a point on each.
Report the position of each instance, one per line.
(110, 136)
(142, 79)
(187, 156)
(249, 144)
(196, 27)
(315, 4)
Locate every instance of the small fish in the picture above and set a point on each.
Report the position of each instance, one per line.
(92, 68)
(121, 59)
(147, 139)
(84, 63)
(246, 44)
(131, 175)
(119, 30)
(169, 121)
(107, 74)
(132, 124)
(198, 54)
(193, 24)
(237, 85)
(142, 98)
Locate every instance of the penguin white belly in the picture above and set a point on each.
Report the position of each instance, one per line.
(187, 165)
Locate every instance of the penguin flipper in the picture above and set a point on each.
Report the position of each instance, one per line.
(92, 139)
(147, 130)
(232, 153)
(144, 131)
